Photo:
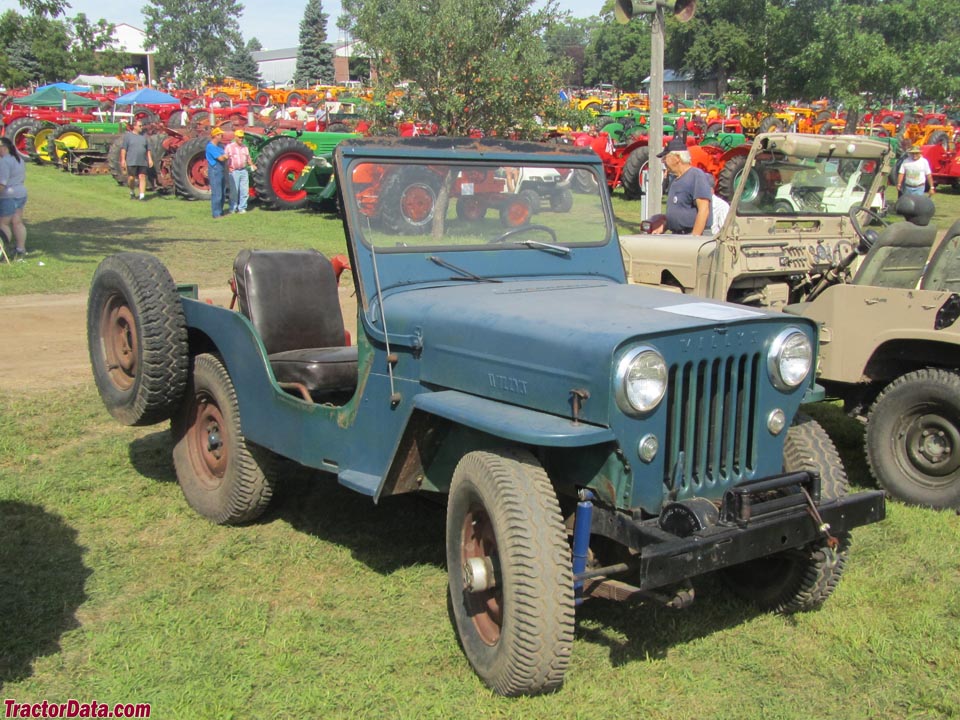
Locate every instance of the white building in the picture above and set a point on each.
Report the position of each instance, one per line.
(277, 67)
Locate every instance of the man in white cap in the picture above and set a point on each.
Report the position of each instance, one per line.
(915, 174)
(689, 208)
(239, 164)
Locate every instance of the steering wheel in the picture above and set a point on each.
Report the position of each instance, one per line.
(865, 240)
(522, 229)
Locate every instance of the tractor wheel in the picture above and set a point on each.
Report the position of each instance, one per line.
(178, 120)
(824, 116)
(584, 182)
(770, 123)
(137, 338)
(18, 131)
(41, 145)
(113, 161)
(516, 622)
(279, 165)
(714, 128)
(220, 474)
(828, 128)
(471, 208)
(190, 170)
(632, 171)
(408, 199)
(515, 211)
(913, 438)
(338, 127)
(803, 578)
(939, 137)
(561, 201)
(593, 107)
(221, 98)
(73, 137)
(262, 98)
(731, 175)
(532, 198)
(144, 115)
(162, 163)
(293, 97)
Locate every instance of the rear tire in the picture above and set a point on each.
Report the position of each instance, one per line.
(803, 578)
(913, 438)
(221, 476)
(190, 170)
(633, 168)
(731, 175)
(517, 635)
(279, 165)
(408, 200)
(137, 338)
(561, 201)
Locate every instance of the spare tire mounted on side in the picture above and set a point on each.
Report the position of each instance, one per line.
(137, 338)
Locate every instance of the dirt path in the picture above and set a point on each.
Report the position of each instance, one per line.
(45, 338)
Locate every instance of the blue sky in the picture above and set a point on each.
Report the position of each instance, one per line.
(275, 24)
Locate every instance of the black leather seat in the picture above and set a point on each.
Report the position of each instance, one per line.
(898, 257)
(292, 300)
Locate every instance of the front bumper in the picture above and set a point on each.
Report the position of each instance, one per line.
(666, 559)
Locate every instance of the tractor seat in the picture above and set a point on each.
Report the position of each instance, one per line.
(291, 299)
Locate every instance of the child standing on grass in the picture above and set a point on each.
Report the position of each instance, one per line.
(13, 197)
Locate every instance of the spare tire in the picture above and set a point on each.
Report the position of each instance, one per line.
(137, 338)
(279, 165)
(190, 171)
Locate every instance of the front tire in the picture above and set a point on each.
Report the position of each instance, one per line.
(221, 476)
(137, 338)
(799, 579)
(518, 634)
(279, 166)
(913, 438)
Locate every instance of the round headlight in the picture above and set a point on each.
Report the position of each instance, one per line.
(790, 359)
(641, 380)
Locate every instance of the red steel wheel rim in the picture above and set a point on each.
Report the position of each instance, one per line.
(285, 172)
(473, 208)
(417, 204)
(198, 172)
(518, 213)
(484, 608)
(207, 442)
(118, 329)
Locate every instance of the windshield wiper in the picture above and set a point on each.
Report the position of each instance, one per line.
(467, 275)
(545, 246)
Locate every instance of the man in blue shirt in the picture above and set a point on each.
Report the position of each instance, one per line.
(216, 171)
(689, 201)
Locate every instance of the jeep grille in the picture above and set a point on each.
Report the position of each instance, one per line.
(711, 414)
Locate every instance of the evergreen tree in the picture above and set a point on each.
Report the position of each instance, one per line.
(242, 66)
(315, 61)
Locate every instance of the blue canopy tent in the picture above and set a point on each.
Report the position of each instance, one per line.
(146, 96)
(69, 87)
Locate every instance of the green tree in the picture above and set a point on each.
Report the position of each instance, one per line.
(619, 54)
(567, 41)
(315, 60)
(193, 37)
(93, 48)
(241, 64)
(475, 64)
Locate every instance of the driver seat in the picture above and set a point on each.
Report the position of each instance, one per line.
(899, 255)
(291, 299)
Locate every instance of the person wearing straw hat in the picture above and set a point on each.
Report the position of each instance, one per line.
(216, 171)
(239, 164)
(915, 174)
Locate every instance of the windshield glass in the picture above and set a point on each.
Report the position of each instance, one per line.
(406, 207)
(780, 183)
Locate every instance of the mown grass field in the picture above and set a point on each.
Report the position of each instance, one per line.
(112, 589)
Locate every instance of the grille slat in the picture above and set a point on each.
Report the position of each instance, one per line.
(710, 422)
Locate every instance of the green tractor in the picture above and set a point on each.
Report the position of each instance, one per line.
(281, 159)
(84, 147)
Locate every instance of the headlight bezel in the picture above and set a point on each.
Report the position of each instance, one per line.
(621, 376)
(775, 357)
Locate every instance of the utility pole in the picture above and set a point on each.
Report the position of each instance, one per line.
(655, 143)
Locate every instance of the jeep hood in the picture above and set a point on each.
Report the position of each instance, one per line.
(531, 343)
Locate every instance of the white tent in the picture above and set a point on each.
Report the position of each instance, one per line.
(98, 81)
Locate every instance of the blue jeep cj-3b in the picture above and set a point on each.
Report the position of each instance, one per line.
(594, 439)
